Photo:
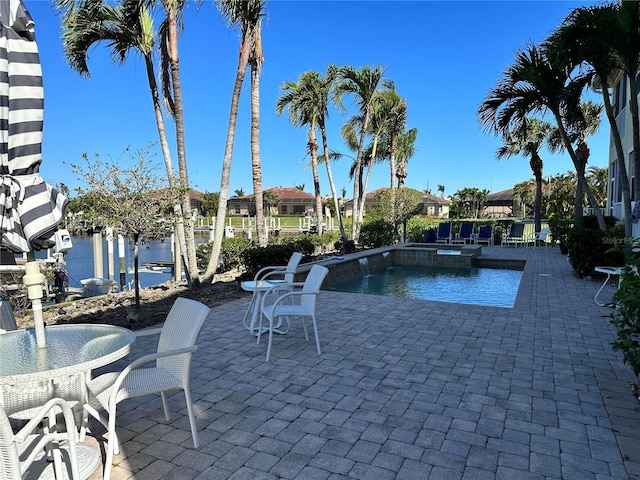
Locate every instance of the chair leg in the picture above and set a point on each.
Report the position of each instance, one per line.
(192, 418)
(304, 326)
(165, 406)
(315, 331)
(270, 338)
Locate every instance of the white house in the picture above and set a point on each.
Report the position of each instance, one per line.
(620, 100)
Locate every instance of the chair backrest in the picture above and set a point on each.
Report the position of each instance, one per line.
(543, 234)
(516, 230)
(312, 284)
(181, 329)
(466, 230)
(9, 459)
(485, 232)
(291, 266)
(444, 230)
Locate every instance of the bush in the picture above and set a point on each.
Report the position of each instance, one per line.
(625, 316)
(345, 246)
(230, 254)
(256, 258)
(377, 233)
(589, 246)
(559, 229)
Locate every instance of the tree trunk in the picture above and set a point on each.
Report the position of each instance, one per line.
(312, 146)
(256, 168)
(635, 122)
(332, 185)
(366, 184)
(190, 245)
(357, 180)
(226, 166)
(164, 145)
(136, 274)
(392, 170)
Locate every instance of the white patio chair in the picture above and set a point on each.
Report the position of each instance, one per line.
(286, 272)
(541, 236)
(25, 449)
(299, 302)
(176, 346)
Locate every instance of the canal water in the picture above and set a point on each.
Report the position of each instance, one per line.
(79, 259)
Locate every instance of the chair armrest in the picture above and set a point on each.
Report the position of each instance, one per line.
(268, 269)
(142, 361)
(277, 272)
(148, 331)
(44, 411)
(297, 293)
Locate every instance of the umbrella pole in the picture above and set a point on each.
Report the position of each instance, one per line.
(34, 280)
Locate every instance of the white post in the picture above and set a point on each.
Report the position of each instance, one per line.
(98, 267)
(121, 262)
(34, 280)
(177, 259)
(110, 256)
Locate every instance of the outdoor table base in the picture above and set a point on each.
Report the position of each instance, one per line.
(88, 462)
(609, 271)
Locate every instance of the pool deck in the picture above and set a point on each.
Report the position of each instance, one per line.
(404, 389)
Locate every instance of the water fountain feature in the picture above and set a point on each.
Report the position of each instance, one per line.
(364, 266)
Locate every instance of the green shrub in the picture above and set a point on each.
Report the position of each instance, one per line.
(589, 246)
(256, 258)
(559, 229)
(377, 233)
(625, 315)
(346, 246)
(230, 254)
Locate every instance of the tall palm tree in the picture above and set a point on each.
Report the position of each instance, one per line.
(170, 75)
(535, 85)
(441, 190)
(578, 128)
(124, 28)
(406, 150)
(607, 38)
(235, 12)
(363, 85)
(301, 99)
(252, 16)
(528, 141)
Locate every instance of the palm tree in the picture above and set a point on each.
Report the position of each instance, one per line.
(363, 85)
(598, 179)
(301, 100)
(535, 85)
(252, 16)
(607, 38)
(238, 192)
(406, 150)
(578, 129)
(441, 190)
(235, 12)
(124, 28)
(172, 87)
(525, 192)
(528, 141)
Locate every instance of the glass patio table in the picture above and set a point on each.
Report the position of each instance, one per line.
(29, 376)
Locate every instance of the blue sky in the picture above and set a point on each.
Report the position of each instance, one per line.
(443, 57)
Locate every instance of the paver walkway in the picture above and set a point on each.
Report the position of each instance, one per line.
(404, 389)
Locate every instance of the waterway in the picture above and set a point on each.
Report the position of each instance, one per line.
(80, 264)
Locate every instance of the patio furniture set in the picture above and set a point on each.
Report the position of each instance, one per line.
(466, 235)
(36, 384)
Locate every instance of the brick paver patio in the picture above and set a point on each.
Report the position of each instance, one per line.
(404, 389)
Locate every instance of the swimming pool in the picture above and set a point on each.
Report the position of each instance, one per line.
(475, 286)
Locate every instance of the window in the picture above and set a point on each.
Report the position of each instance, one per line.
(237, 209)
(620, 95)
(283, 209)
(298, 209)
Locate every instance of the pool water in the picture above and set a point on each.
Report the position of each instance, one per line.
(476, 286)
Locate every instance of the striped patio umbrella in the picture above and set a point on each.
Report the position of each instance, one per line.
(30, 209)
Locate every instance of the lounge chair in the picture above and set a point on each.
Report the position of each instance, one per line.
(465, 234)
(444, 233)
(541, 236)
(484, 235)
(515, 235)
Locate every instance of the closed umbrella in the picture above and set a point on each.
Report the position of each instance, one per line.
(30, 209)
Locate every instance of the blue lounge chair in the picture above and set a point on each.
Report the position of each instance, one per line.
(485, 235)
(515, 235)
(465, 235)
(444, 233)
